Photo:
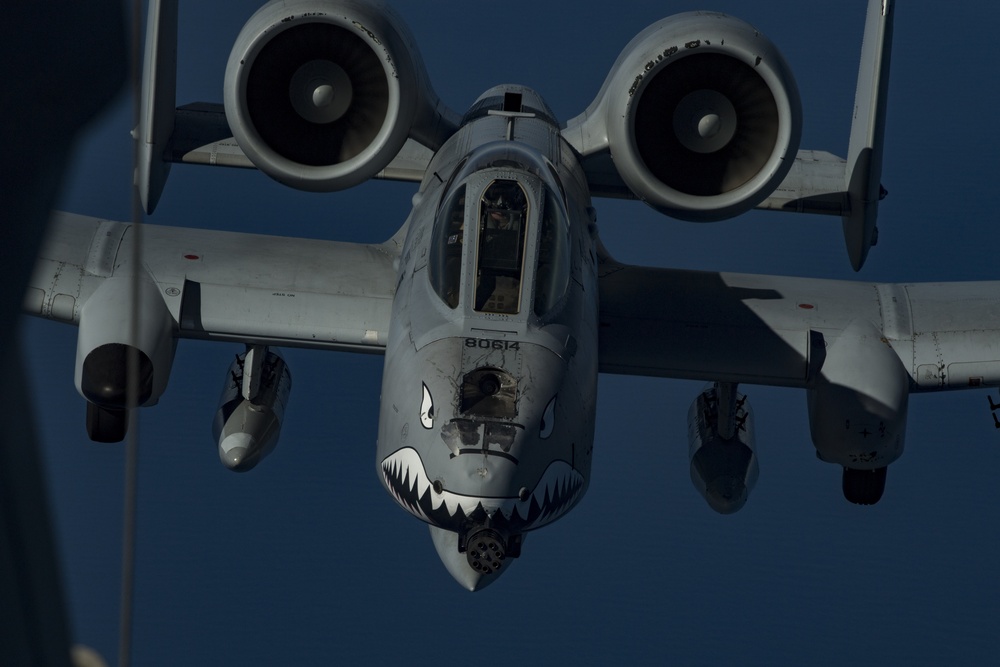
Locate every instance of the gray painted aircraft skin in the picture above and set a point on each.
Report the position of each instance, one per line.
(487, 415)
(496, 304)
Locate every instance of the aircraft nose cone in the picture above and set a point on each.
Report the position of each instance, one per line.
(233, 449)
(457, 564)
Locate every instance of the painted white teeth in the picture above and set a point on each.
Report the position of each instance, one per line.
(556, 492)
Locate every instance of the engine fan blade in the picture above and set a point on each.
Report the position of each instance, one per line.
(337, 95)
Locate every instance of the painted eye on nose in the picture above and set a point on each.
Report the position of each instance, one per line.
(548, 419)
(427, 409)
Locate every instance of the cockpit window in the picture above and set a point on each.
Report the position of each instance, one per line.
(503, 216)
(445, 264)
(552, 277)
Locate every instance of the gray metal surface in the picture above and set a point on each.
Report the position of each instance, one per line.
(495, 303)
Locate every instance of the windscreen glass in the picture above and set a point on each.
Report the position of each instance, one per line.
(445, 263)
(503, 216)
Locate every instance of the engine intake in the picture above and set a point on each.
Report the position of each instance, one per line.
(702, 116)
(721, 130)
(322, 94)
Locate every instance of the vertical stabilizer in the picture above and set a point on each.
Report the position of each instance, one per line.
(156, 111)
(864, 157)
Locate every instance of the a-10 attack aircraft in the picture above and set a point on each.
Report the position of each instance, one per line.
(495, 304)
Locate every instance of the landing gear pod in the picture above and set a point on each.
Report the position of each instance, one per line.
(721, 446)
(107, 350)
(248, 421)
(857, 409)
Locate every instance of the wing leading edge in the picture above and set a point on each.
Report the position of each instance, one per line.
(775, 330)
(226, 286)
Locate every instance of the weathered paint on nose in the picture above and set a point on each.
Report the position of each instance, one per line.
(474, 441)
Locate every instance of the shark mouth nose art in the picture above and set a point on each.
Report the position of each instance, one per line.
(559, 489)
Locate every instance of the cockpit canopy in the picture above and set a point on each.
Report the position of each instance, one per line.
(510, 202)
(503, 217)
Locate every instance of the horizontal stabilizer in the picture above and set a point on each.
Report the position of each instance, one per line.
(202, 136)
(814, 184)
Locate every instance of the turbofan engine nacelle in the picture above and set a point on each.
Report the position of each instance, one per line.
(322, 94)
(857, 409)
(701, 115)
(721, 448)
(248, 421)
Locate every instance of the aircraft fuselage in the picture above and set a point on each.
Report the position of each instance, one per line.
(487, 411)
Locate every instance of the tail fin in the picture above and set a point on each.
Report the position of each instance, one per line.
(156, 112)
(822, 183)
(864, 154)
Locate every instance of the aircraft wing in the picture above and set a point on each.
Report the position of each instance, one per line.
(225, 285)
(775, 330)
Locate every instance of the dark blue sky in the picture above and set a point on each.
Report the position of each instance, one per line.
(306, 560)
